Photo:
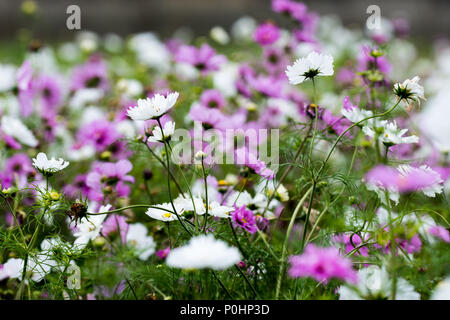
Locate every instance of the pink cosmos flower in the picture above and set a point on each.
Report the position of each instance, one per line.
(322, 264)
(352, 241)
(440, 232)
(266, 34)
(246, 157)
(98, 133)
(24, 85)
(114, 223)
(203, 59)
(406, 179)
(163, 253)
(92, 74)
(212, 98)
(244, 218)
(19, 168)
(48, 90)
(109, 178)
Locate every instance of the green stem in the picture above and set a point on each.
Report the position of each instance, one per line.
(286, 240)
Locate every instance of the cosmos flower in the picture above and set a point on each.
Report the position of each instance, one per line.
(153, 108)
(204, 59)
(137, 237)
(390, 134)
(405, 179)
(410, 91)
(89, 229)
(315, 64)
(244, 218)
(374, 283)
(13, 127)
(203, 252)
(49, 166)
(442, 290)
(266, 34)
(352, 112)
(157, 135)
(166, 214)
(322, 264)
(108, 178)
(212, 98)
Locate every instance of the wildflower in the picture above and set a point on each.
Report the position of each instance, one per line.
(153, 108)
(92, 74)
(374, 283)
(409, 91)
(203, 252)
(7, 77)
(204, 59)
(352, 112)
(322, 264)
(405, 179)
(15, 128)
(244, 218)
(158, 136)
(109, 174)
(166, 214)
(90, 228)
(440, 232)
(442, 290)
(266, 34)
(24, 86)
(212, 98)
(246, 157)
(315, 64)
(163, 253)
(138, 238)
(114, 223)
(49, 166)
(390, 134)
(11, 269)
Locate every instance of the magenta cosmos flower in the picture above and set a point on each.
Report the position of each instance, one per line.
(266, 34)
(244, 218)
(246, 157)
(212, 98)
(25, 91)
(92, 74)
(109, 178)
(48, 90)
(98, 133)
(204, 59)
(322, 264)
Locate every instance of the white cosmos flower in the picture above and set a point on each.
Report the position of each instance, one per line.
(214, 208)
(168, 130)
(152, 108)
(391, 134)
(164, 215)
(442, 290)
(7, 77)
(356, 114)
(89, 229)
(43, 164)
(374, 282)
(15, 128)
(138, 238)
(410, 91)
(11, 269)
(314, 64)
(204, 252)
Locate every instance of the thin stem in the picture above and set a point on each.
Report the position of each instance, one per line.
(286, 240)
(168, 179)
